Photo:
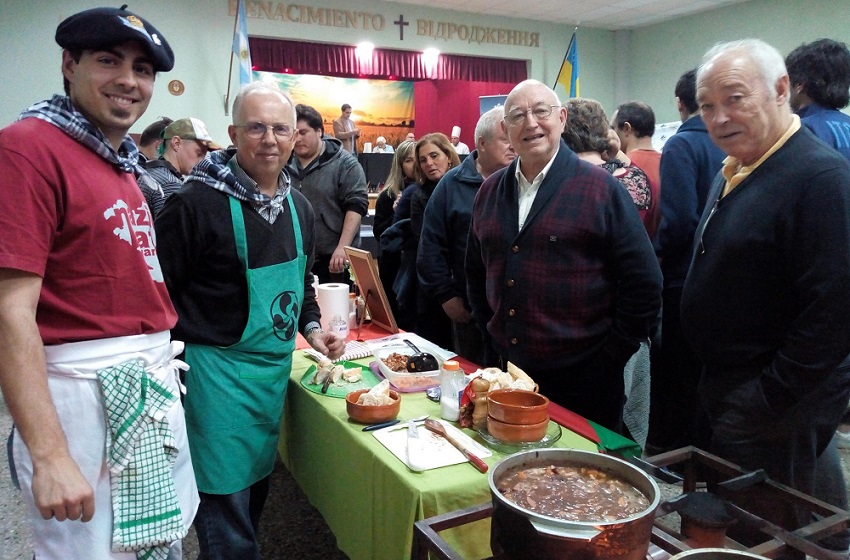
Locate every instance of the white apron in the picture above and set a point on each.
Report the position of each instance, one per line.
(73, 384)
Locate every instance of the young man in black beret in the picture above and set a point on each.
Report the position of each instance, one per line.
(87, 365)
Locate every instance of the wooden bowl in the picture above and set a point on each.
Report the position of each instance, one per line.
(515, 406)
(517, 433)
(366, 414)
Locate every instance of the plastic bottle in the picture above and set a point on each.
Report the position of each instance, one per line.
(352, 311)
(338, 326)
(452, 382)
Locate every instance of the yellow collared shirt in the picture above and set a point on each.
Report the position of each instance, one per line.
(734, 172)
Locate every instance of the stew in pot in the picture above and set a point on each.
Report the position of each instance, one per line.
(582, 494)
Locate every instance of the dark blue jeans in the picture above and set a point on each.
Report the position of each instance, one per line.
(227, 524)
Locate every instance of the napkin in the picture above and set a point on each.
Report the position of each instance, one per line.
(354, 350)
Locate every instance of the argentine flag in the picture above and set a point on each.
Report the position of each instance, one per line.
(240, 46)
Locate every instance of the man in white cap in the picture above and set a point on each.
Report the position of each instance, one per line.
(87, 364)
(460, 147)
(185, 143)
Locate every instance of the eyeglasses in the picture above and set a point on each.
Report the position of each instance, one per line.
(541, 113)
(258, 130)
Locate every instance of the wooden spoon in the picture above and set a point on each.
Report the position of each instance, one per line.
(439, 429)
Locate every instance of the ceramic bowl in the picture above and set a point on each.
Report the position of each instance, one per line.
(514, 406)
(517, 433)
(366, 414)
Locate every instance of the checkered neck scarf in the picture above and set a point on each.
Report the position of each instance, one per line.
(221, 171)
(60, 112)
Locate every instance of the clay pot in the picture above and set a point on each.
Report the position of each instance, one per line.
(366, 414)
(515, 406)
(517, 433)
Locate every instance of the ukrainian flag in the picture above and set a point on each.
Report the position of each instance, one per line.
(567, 84)
(240, 45)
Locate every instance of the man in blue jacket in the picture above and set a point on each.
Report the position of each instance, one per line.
(689, 162)
(442, 245)
(820, 86)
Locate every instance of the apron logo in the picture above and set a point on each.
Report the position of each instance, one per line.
(284, 312)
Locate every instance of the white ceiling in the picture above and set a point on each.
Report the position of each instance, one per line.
(603, 14)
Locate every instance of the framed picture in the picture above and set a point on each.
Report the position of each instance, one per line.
(366, 273)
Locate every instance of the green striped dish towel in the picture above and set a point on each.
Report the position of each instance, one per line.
(140, 456)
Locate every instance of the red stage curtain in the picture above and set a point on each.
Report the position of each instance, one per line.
(301, 57)
(454, 103)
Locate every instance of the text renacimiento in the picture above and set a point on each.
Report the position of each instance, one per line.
(448, 31)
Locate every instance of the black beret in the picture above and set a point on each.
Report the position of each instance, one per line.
(101, 28)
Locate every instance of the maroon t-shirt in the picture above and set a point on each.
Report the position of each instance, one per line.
(74, 219)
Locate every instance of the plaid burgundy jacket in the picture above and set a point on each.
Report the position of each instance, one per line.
(580, 276)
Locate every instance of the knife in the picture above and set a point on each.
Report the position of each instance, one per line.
(380, 425)
(414, 447)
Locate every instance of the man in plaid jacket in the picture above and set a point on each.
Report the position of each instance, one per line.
(560, 270)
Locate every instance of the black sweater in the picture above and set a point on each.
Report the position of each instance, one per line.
(197, 251)
(768, 292)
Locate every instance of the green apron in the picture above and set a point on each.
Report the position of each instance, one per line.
(234, 398)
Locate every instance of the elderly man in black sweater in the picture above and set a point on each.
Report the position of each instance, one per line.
(765, 303)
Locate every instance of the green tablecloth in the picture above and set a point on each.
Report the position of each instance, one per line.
(368, 497)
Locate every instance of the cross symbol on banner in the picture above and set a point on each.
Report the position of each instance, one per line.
(401, 25)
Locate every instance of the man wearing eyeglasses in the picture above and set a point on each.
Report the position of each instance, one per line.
(559, 268)
(334, 183)
(236, 245)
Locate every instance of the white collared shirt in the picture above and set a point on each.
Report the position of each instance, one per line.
(528, 191)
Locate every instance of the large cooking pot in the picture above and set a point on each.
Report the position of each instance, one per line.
(519, 533)
(716, 554)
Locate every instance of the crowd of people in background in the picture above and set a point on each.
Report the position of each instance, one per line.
(692, 296)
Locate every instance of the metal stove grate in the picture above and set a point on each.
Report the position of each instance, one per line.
(762, 510)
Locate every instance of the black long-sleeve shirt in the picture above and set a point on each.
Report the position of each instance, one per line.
(197, 252)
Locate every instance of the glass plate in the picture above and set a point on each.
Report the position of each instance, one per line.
(553, 434)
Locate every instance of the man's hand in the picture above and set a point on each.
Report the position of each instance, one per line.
(456, 311)
(338, 260)
(327, 344)
(59, 488)
(61, 491)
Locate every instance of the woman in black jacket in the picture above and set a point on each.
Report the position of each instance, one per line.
(401, 175)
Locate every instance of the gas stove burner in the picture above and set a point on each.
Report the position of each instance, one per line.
(705, 518)
(742, 512)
